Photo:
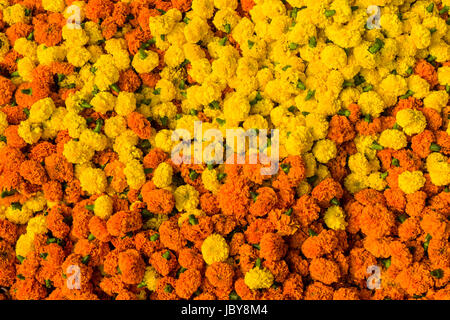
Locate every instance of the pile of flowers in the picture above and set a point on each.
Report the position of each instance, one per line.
(93, 207)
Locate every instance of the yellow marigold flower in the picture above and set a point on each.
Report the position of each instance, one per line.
(410, 182)
(96, 141)
(444, 75)
(209, 179)
(258, 278)
(419, 86)
(151, 277)
(30, 132)
(162, 176)
(78, 56)
(103, 102)
(114, 126)
(134, 172)
(358, 163)
(371, 103)
(334, 57)
(24, 244)
(215, 249)
(18, 215)
(318, 125)
(376, 181)
(4, 44)
(25, 68)
(75, 124)
(421, 36)
(126, 103)
(174, 56)
(436, 100)
(93, 180)
(438, 168)
(106, 72)
(325, 150)
(42, 110)
(412, 121)
(394, 139)
(15, 14)
(355, 182)
(37, 225)
(77, 152)
(103, 207)
(186, 197)
(54, 5)
(27, 48)
(3, 122)
(145, 61)
(335, 218)
(163, 140)
(299, 141)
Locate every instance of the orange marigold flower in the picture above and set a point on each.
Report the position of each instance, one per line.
(273, 247)
(346, 294)
(124, 222)
(247, 5)
(120, 13)
(190, 258)
(109, 28)
(318, 291)
(316, 246)
(426, 71)
(324, 270)
(129, 81)
(326, 190)
(368, 128)
(132, 266)
(6, 90)
(147, 242)
(209, 203)
(376, 221)
(139, 124)
(420, 143)
(42, 150)
(55, 221)
(187, 283)
(99, 9)
(18, 30)
(48, 28)
(33, 171)
(370, 197)
(220, 275)
(170, 235)
(150, 79)
(12, 137)
(159, 201)
(52, 191)
(8, 231)
(409, 229)
(443, 141)
(434, 118)
(340, 129)
(164, 261)
(415, 202)
(306, 210)
(98, 228)
(58, 168)
(257, 229)
(265, 201)
(415, 280)
(182, 5)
